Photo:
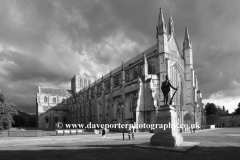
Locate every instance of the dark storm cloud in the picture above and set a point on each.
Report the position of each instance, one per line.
(29, 68)
(216, 45)
(47, 42)
(21, 94)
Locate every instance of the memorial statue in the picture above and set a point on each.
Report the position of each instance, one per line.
(166, 88)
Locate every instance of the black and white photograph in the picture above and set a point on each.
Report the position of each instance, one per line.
(119, 79)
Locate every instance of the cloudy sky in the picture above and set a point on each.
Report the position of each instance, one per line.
(47, 42)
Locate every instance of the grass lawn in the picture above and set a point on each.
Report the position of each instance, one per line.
(218, 144)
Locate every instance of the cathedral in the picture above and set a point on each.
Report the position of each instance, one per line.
(131, 93)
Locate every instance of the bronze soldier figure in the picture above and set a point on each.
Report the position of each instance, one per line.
(166, 88)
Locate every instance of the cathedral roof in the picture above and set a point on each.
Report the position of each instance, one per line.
(148, 51)
(138, 57)
(55, 91)
(55, 108)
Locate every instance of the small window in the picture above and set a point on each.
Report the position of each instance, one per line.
(54, 100)
(64, 120)
(56, 119)
(45, 99)
(46, 119)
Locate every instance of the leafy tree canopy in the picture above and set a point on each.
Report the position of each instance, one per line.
(220, 111)
(210, 108)
(24, 120)
(237, 111)
(7, 110)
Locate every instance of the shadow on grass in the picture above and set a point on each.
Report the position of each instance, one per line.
(119, 152)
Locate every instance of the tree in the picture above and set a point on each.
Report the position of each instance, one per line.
(24, 119)
(220, 111)
(19, 121)
(31, 122)
(237, 111)
(210, 108)
(7, 110)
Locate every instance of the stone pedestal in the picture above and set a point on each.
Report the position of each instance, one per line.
(166, 134)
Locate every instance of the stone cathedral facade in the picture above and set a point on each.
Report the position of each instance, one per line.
(131, 93)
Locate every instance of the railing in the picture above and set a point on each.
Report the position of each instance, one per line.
(69, 131)
(40, 133)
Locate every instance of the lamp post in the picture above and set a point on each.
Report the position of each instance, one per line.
(122, 106)
(195, 110)
(205, 118)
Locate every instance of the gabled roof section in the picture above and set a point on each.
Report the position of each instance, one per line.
(140, 56)
(178, 47)
(55, 91)
(172, 38)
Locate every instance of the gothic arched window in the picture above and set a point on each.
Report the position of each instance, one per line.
(135, 74)
(130, 107)
(151, 67)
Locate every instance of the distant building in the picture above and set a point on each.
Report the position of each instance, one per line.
(53, 103)
(134, 88)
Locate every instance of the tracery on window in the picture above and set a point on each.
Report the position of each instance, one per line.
(152, 66)
(117, 80)
(54, 100)
(107, 85)
(99, 89)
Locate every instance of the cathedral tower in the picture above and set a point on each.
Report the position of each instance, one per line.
(189, 72)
